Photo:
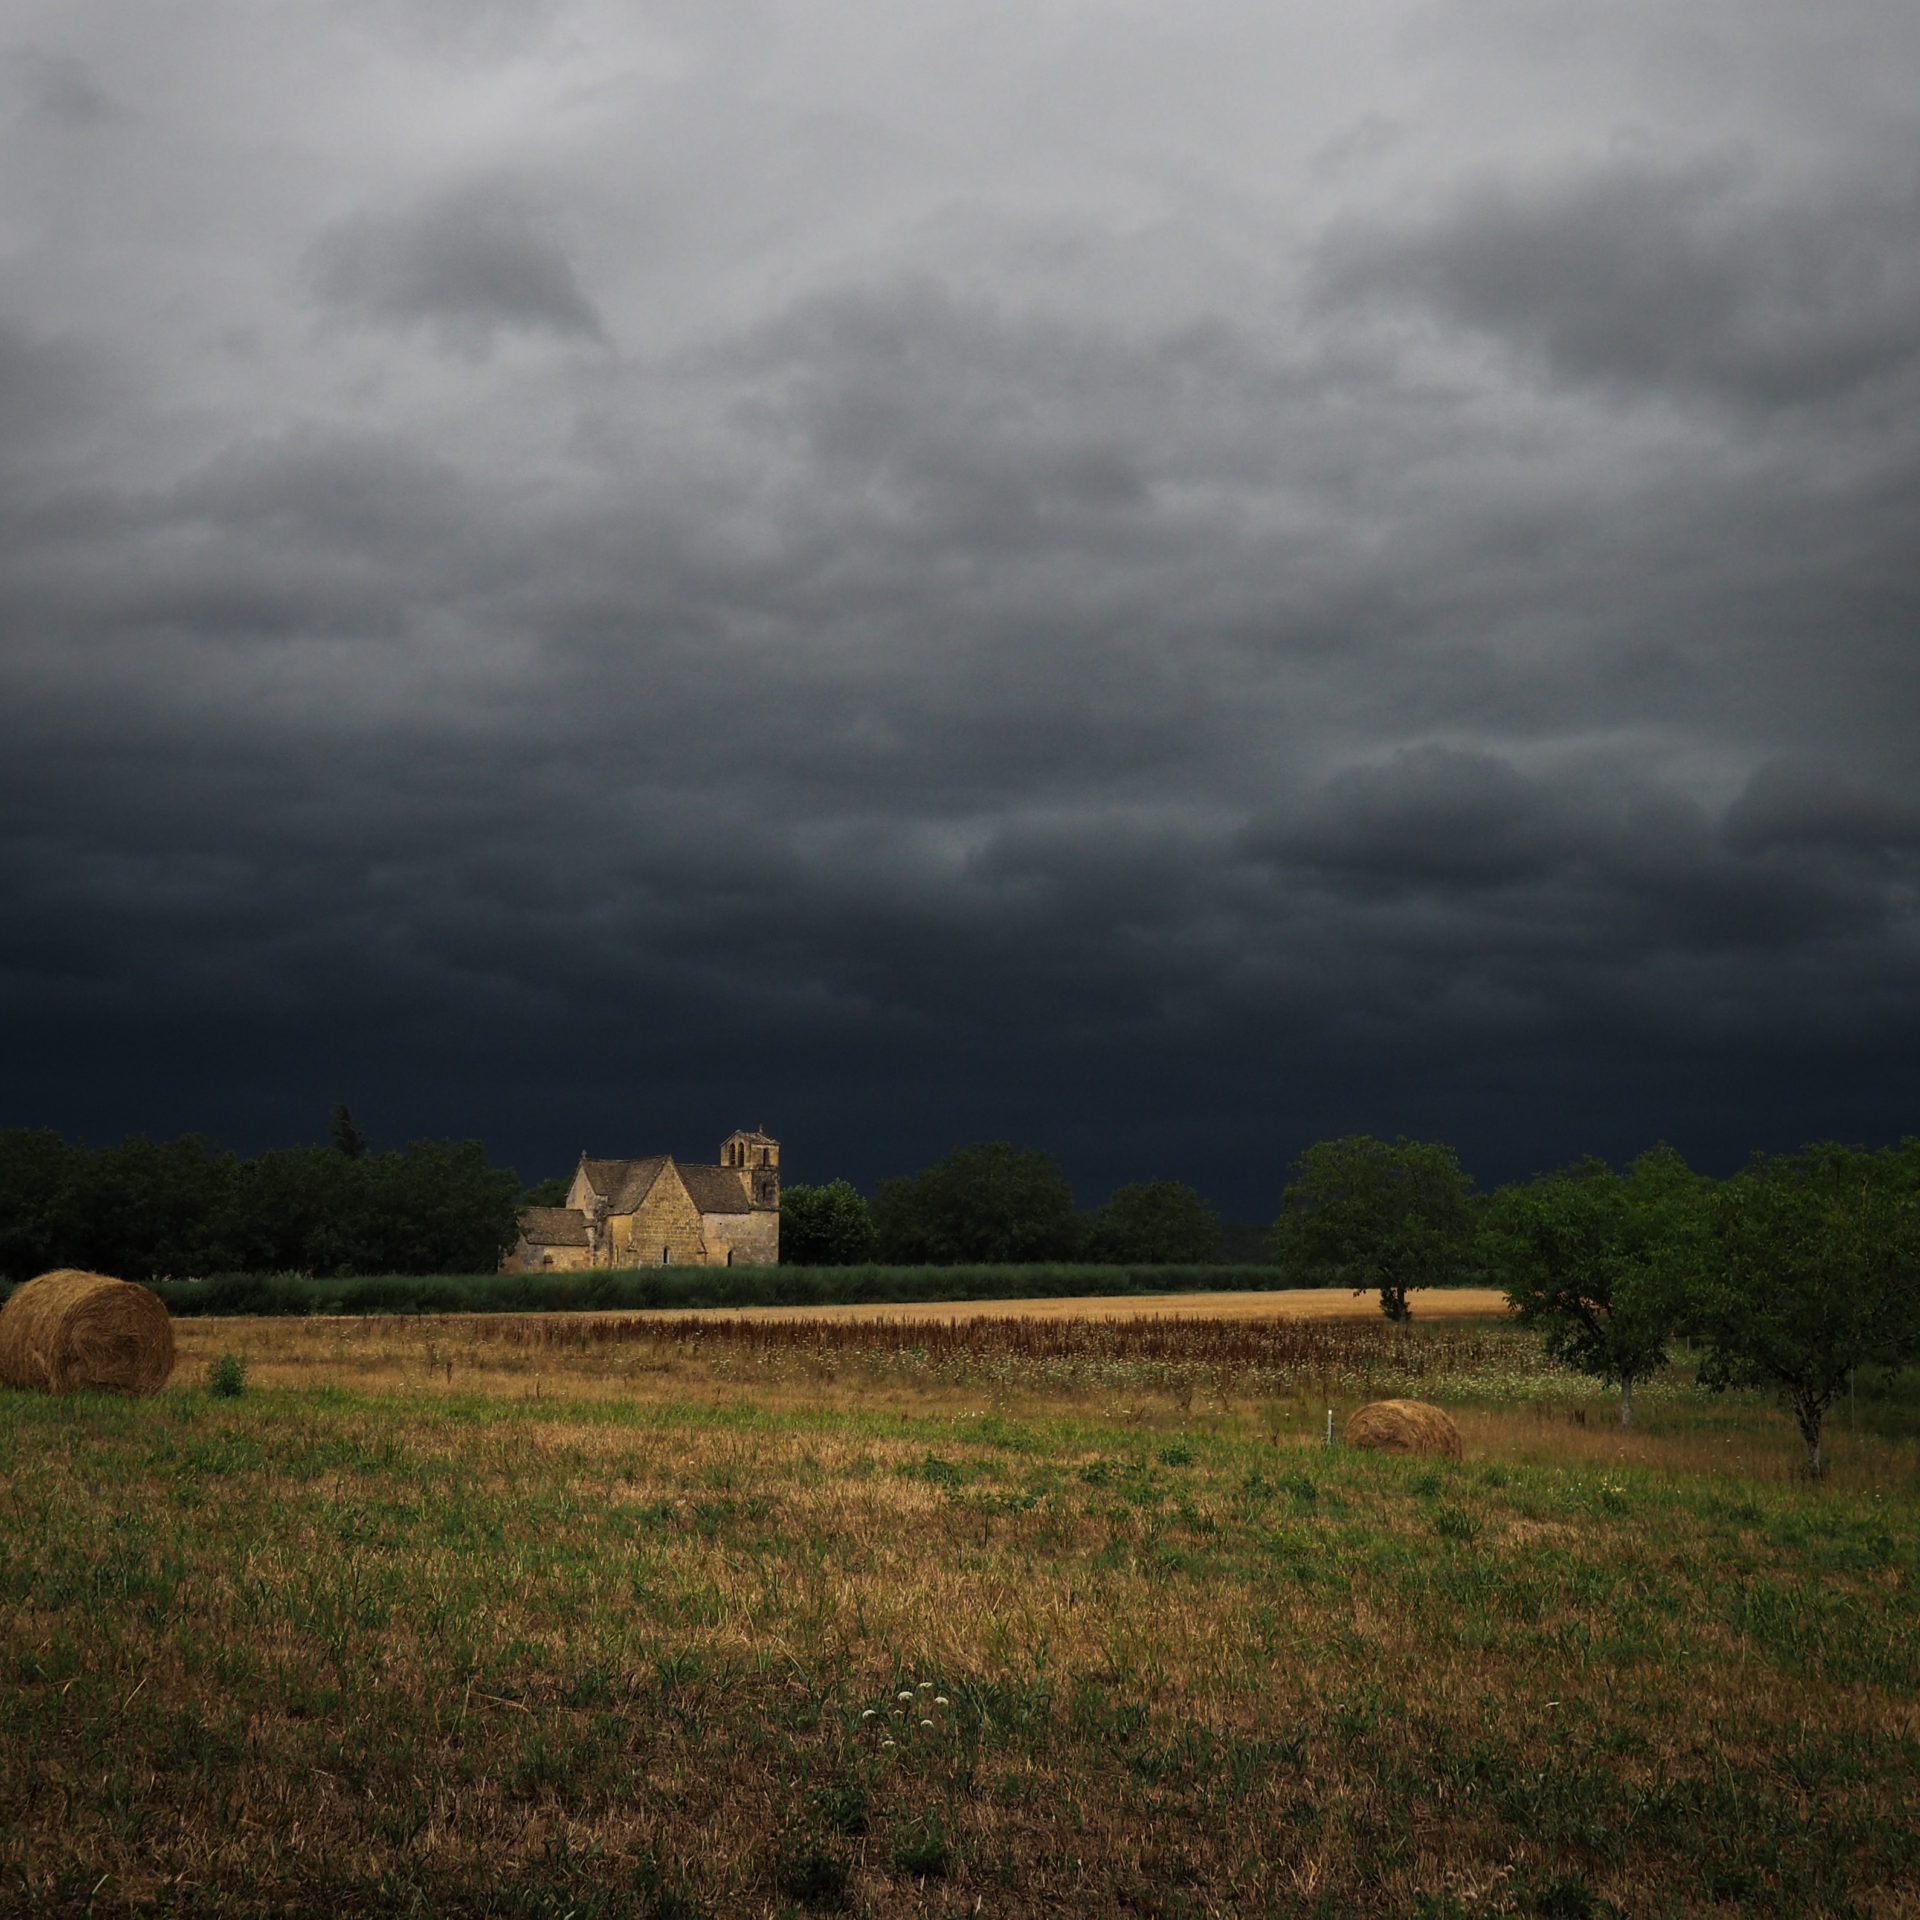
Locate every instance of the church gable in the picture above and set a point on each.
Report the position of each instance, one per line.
(616, 1185)
(664, 1228)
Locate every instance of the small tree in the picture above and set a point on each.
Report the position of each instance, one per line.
(347, 1137)
(1364, 1214)
(1153, 1223)
(825, 1226)
(991, 1203)
(1809, 1267)
(1594, 1260)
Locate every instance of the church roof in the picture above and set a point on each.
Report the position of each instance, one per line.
(623, 1184)
(715, 1189)
(554, 1227)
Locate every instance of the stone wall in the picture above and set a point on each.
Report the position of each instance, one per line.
(524, 1257)
(668, 1221)
(752, 1238)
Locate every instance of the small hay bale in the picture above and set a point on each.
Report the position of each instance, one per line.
(67, 1331)
(1404, 1426)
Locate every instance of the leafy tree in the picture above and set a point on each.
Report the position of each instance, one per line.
(41, 1182)
(1809, 1267)
(993, 1203)
(825, 1226)
(551, 1192)
(154, 1207)
(1153, 1222)
(1364, 1214)
(347, 1138)
(301, 1210)
(1595, 1260)
(1244, 1243)
(438, 1207)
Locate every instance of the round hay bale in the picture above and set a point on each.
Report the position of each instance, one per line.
(67, 1331)
(1404, 1426)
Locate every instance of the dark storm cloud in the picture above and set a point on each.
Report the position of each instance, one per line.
(46, 385)
(1604, 864)
(1095, 650)
(1693, 279)
(1788, 805)
(54, 87)
(461, 29)
(467, 264)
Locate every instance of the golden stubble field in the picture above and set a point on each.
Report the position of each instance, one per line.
(1288, 1303)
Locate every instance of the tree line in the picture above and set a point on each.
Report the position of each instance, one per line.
(994, 1204)
(146, 1209)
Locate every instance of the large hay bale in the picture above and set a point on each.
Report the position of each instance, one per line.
(1404, 1426)
(67, 1331)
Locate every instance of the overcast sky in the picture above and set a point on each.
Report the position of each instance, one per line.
(1160, 581)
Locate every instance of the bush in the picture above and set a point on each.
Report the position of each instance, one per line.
(683, 1289)
(806, 1871)
(924, 1849)
(825, 1226)
(273, 1295)
(397, 1294)
(227, 1377)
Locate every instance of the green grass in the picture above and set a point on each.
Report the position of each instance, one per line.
(323, 1652)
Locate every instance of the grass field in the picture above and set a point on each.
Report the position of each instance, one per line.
(1020, 1616)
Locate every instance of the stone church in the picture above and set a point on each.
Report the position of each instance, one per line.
(660, 1213)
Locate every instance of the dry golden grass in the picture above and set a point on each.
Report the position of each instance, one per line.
(1548, 1422)
(595, 1626)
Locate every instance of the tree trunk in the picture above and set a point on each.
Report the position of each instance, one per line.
(1626, 1401)
(1807, 1416)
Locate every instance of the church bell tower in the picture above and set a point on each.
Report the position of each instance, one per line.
(757, 1155)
